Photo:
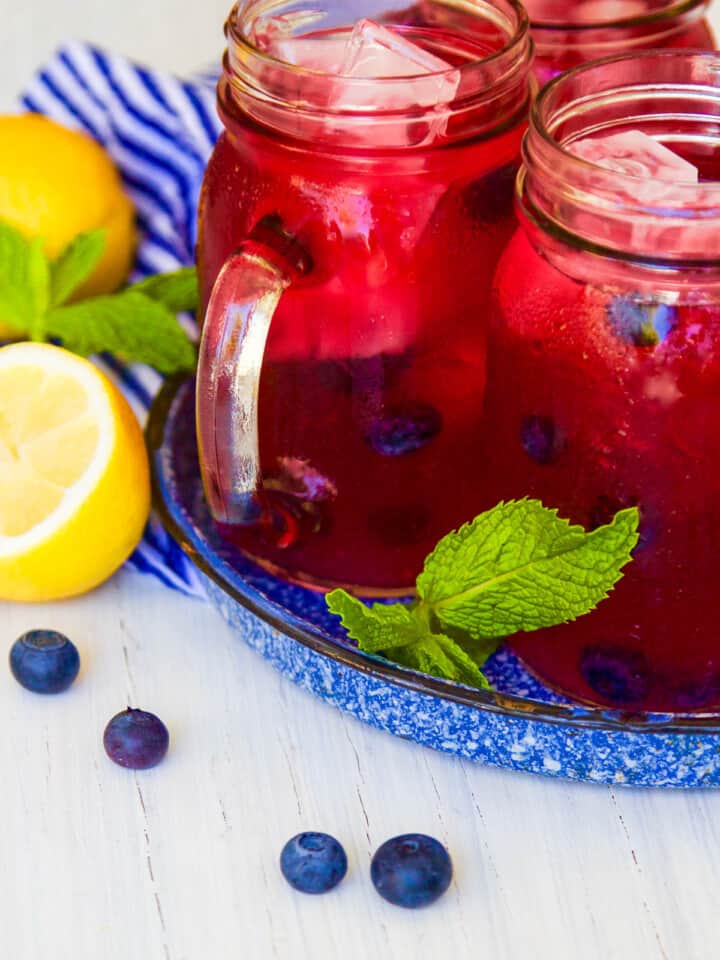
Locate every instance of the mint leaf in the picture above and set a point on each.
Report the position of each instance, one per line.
(380, 627)
(178, 291)
(128, 324)
(38, 276)
(75, 264)
(478, 649)
(24, 280)
(439, 656)
(516, 567)
(521, 567)
(138, 324)
(400, 631)
(10, 310)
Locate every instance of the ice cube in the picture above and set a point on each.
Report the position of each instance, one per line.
(372, 52)
(635, 154)
(655, 168)
(376, 51)
(268, 32)
(663, 182)
(322, 52)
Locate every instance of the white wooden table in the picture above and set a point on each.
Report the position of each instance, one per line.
(180, 863)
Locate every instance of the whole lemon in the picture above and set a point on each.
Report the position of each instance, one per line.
(56, 183)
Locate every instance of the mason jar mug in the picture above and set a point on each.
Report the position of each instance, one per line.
(603, 387)
(351, 218)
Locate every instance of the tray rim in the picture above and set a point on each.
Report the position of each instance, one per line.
(565, 715)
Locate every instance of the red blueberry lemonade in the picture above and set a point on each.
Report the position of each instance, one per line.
(396, 195)
(604, 368)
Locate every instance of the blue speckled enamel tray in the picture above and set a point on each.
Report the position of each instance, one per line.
(519, 724)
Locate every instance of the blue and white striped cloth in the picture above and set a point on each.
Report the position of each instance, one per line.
(159, 130)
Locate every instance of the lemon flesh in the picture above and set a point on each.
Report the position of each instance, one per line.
(74, 478)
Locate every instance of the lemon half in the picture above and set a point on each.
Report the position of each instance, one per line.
(74, 477)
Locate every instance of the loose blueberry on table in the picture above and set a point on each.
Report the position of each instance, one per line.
(136, 739)
(313, 862)
(411, 871)
(44, 661)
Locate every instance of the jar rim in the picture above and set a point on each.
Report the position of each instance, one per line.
(467, 100)
(550, 90)
(670, 11)
(520, 36)
(659, 224)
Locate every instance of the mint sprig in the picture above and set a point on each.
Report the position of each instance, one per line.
(516, 567)
(138, 323)
(24, 280)
(75, 264)
(130, 325)
(403, 634)
(178, 291)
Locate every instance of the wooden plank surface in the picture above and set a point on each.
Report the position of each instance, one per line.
(181, 862)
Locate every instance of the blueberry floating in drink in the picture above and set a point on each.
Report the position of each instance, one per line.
(618, 674)
(313, 862)
(411, 871)
(404, 430)
(44, 661)
(641, 323)
(541, 439)
(489, 198)
(136, 739)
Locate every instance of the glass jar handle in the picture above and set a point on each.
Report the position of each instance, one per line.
(237, 321)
